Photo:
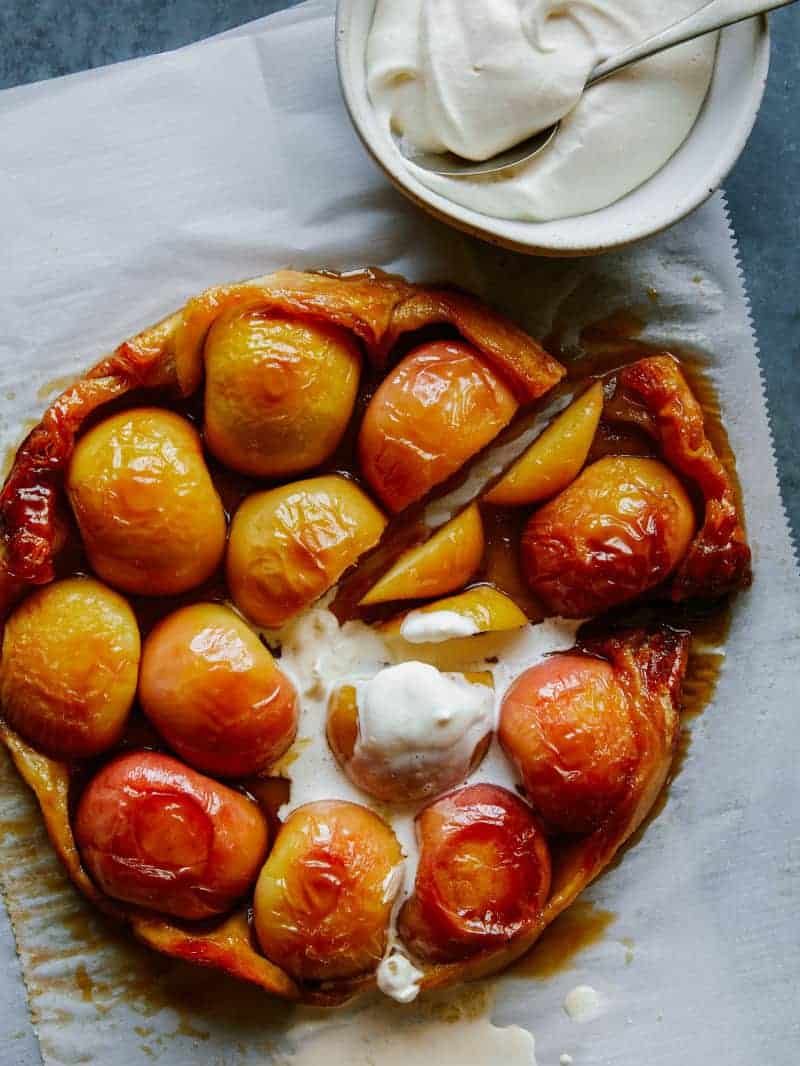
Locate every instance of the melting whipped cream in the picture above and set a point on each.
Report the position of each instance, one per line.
(477, 76)
(434, 627)
(399, 978)
(422, 725)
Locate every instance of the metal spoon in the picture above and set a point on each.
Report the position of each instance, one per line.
(713, 16)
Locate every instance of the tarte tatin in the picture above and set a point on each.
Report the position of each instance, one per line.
(183, 510)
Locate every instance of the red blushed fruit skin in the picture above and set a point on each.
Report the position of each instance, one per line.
(483, 875)
(214, 692)
(567, 727)
(153, 832)
(441, 404)
(618, 530)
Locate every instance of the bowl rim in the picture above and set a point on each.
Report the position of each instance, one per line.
(495, 231)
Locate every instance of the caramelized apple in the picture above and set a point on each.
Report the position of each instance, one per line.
(279, 391)
(619, 529)
(153, 832)
(412, 731)
(324, 897)
(440, 405)
(290, 545)
(214, 693)
(483, 875)
(446, 561)
(555, 457)
(151, 520)
(483, 609)
(69, 666)
(566, 725)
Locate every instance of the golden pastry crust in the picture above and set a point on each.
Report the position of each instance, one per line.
(653, 394)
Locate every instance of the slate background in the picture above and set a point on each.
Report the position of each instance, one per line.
(46, 38)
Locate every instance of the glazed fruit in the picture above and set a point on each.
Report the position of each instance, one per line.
(69, 666)
(445, 562)
(566, 725)
(412, 731)
(290, 545)
(279, 391)
(324, 896)
(555, 458)
(482, 609)
(214, 692)
(151, 831)
(619, 529)
(483, 875)
(440, 405)
(150, 517)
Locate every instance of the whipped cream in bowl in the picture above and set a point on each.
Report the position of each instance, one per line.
(634, 153)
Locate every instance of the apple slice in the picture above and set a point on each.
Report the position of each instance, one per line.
(555, 458)
(483, 609)
(444, 563)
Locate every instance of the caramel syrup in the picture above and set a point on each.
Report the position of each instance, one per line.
(582, 924)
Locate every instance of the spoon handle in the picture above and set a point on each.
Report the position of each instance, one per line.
(713, 16)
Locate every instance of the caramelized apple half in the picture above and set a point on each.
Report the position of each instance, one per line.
(324, 896)
(291, 544)
(621, 528)
(483, 876)
(444, 562)
(279, 391)
(482, 609)
(214, 692)
(440, 405)
(555, 458)
(155, 833)
(70, 659)
(567, 726)
(150, 517)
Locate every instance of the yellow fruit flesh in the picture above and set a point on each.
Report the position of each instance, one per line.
(490, 610)
(444, 563)
(555, 458)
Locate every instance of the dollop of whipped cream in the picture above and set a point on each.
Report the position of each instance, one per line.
(399, 978)
(475, 77)
(435, 627)
(422, 726)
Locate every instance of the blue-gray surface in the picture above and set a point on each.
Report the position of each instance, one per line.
(45, 38)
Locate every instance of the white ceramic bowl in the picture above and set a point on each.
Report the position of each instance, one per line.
(685, 181)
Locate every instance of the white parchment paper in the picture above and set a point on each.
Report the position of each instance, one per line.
(126, 190)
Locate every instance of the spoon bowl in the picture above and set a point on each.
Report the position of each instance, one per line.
(453, 166)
